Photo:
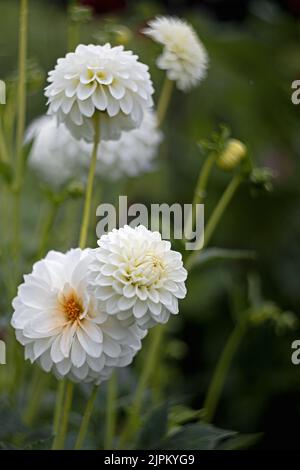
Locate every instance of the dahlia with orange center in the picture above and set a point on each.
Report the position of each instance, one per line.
(62, 326)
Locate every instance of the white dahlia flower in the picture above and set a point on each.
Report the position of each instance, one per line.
(55, 155)
(133, 153)
(184, 57)
(61, 326)
(99, 78)
(136, 274)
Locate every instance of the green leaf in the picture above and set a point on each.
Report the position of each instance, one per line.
(154, 428)
(10, 419)
(211, 255)
(241, 441)
(40, 444)
(181, 414)
(197, 436)
(7, 446)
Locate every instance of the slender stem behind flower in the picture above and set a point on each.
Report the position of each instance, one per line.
(200, 192)
(46, 229)
(63, 425)
(86, 419)
(111, 412)
(219, 376)
(164, 100)
(90, 184)
(58, 407)
(217, 214)
(36, 392)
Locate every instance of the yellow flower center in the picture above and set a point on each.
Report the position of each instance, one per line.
(72, 307)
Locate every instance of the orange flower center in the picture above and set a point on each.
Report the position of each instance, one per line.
(72, 307)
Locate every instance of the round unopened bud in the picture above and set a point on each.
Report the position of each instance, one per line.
(234, 152)
(123, 35)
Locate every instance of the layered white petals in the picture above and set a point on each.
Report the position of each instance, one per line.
(99, 78)
(83, 345)
(184, 57)
(133, 153)
(136, 274)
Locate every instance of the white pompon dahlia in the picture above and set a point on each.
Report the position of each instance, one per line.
(60, 324)
(55, 155)
(184, 57)
(136, 274)
(103, 78)
(133, 153)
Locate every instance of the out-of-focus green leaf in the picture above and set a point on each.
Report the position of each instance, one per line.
(6, 446)
(181, 414)
(154, 429)
(241, 441)
(11, 423)
(40, 444)
(197, 436)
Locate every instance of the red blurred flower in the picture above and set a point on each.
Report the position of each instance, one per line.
(105, 6)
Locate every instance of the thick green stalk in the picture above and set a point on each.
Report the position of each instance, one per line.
(59, 406)
(155, 338)
(111, 414)
(219, 376)
(164, 100)
(62, 429)
(35, 396)
(86, 419)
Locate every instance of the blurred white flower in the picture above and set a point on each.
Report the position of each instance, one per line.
(61, 326)
(55, 155)
(133, 153)
(136, 274)
(184, 57)
(102, 78)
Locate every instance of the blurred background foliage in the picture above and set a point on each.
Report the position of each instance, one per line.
(254, 51)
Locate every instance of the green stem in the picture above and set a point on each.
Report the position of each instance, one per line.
(222, 206)
(86, 419)
(62, 429)
(164, 100)
(200, 191)
(111, 414)
(58, 408)
(21, 89)
(90, 184)
(36, 394)
(46, 229)
(219, 376)
(60, 438)
(155, 339)
(217, 214)
(20, 122)
(4, 153)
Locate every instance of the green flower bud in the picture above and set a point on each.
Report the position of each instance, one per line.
(234, 152)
